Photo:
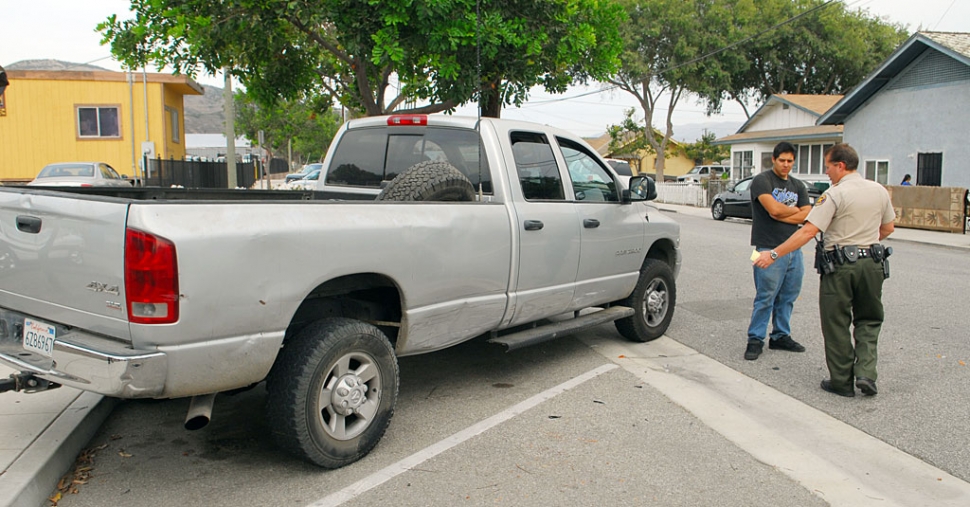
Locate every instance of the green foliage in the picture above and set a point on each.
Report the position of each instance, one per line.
(308, 122)
(704, 150)
(351, 50)
(664, 45)
(826, 51)
(630, 136)
(720, 50)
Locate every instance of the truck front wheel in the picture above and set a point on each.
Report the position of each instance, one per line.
(332, 391)
(653, 303)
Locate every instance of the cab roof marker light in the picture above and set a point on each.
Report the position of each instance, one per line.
(399, 120)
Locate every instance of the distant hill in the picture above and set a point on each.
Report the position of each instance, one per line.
(51, 65)
(203, 113)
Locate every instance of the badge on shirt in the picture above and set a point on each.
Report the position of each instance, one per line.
(820, 200)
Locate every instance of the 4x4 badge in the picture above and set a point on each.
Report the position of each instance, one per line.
(103, 287)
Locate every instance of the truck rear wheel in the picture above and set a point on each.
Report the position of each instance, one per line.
(653, 302)
(430, 180)
(332, 391)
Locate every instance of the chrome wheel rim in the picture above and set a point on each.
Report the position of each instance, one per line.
(655, 302)
(350, 396)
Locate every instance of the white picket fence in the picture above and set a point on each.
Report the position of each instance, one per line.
(689, 194)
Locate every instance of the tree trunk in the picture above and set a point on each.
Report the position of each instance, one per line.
(492, 100)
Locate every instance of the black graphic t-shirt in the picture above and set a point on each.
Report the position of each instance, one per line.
(766, 232)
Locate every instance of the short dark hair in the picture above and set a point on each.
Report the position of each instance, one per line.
(844, 153)
(783, 147)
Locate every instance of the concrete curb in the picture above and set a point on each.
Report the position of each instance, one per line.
(33, 476)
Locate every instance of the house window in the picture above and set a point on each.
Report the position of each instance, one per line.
(929, 169)
(173, 122)
(878, 171)
(743, 163)
(811, 159)
(98, 122)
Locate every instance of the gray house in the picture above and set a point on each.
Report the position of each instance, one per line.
(912, 114)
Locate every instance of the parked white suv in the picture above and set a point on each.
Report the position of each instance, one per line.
(703, 172)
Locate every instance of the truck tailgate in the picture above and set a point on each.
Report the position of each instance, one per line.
(62, 259)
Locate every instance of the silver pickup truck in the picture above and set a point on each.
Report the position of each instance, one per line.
(482, 227)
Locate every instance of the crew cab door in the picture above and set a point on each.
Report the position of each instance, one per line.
(612, 234)
(548, 230)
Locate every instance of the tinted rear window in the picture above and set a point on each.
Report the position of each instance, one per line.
(366, 157)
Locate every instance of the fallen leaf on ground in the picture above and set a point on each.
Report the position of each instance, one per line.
(124, 454)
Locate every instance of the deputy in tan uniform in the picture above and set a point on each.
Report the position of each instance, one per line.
(855, 214)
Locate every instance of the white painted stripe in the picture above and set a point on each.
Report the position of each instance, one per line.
(835, 461)
(381, 476)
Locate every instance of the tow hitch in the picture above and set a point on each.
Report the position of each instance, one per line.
(26, 382)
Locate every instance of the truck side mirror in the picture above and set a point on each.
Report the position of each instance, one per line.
(642, 188)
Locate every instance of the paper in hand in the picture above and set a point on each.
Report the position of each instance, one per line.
(754, 255)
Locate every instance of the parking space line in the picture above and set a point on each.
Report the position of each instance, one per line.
(381, 476)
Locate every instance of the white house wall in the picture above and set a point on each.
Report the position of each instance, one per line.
(779, 118)
(896, 125)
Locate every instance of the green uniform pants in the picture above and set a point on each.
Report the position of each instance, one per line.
(851, 295)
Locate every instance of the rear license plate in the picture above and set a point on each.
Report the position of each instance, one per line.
(39, 337)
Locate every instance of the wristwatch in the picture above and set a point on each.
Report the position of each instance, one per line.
(774, 255)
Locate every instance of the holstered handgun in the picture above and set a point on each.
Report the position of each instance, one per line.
(838, 256)
(881, 254)
(823, 262)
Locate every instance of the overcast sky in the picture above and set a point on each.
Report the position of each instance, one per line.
(64, 30)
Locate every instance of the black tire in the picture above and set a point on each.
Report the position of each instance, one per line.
(332, 391)
(653, 302)
(430, 180)
(717, 210)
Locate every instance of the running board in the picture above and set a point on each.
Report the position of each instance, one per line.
(562, 328)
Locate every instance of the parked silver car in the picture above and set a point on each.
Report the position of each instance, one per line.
(80, 174)
(703, 172)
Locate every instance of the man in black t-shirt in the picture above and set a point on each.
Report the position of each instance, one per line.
(779, 203)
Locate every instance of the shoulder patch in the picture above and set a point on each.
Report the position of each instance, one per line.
(820, 200)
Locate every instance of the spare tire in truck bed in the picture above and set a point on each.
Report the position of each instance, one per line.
(430, 180)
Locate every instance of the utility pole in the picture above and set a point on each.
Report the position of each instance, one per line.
(230, 112)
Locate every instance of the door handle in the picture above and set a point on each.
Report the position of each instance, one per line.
(591, 223)
(28, 224)
(533, 225)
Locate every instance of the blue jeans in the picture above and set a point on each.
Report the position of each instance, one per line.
(777, 288)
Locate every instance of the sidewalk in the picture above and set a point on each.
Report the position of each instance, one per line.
(41, 434)
(900, 234)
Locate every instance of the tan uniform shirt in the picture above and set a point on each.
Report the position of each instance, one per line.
(851, 211)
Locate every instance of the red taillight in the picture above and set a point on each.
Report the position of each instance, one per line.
(151, 279)
(407, 119)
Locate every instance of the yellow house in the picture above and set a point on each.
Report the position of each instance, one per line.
(642, 162)
(103, 116)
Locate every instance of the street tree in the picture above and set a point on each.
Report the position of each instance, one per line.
(824, 49)
(704, 150)
(308, 124)
(378, 56)
(665, 44)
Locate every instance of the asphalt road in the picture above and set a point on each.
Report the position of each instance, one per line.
(614, 438)
(924, 351)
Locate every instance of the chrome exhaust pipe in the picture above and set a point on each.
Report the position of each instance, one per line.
(200, 411)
